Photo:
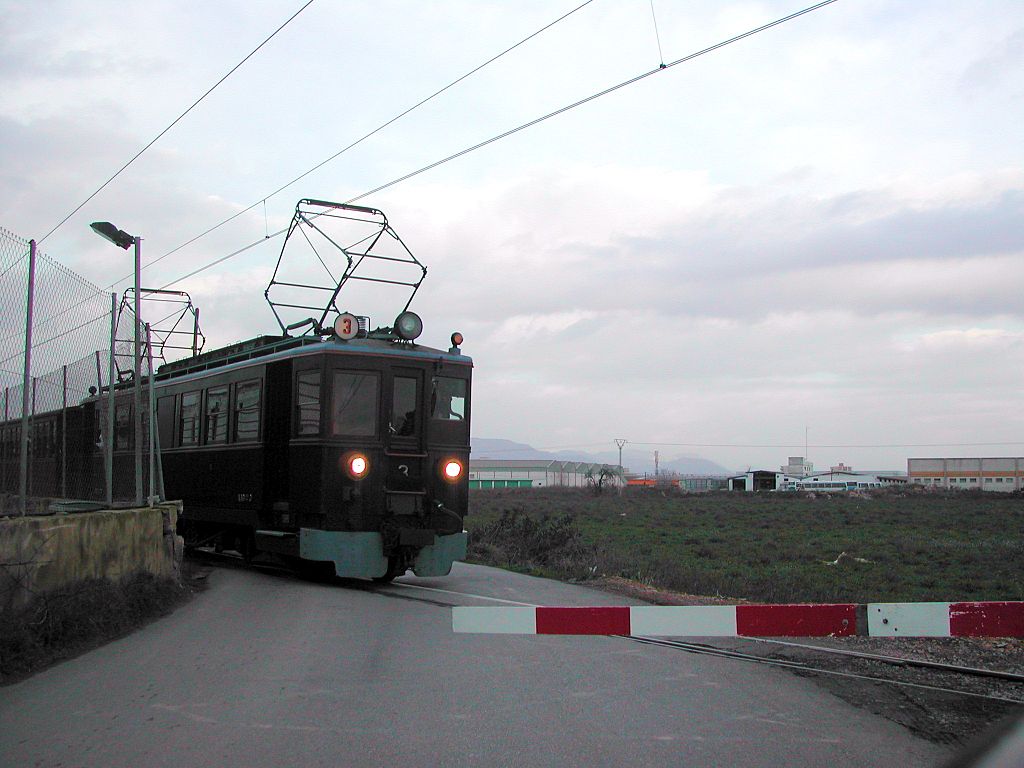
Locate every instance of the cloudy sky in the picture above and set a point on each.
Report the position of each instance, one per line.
(819, 227)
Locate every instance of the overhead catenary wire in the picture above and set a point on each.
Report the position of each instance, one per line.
(650, 443)
(175, 121)
(357, 142)
(824, 445)
(595, 96)
(508, 133)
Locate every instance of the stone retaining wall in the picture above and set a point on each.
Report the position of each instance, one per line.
(40, 554)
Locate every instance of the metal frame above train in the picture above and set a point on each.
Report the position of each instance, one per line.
(938, 619)
(375, 245)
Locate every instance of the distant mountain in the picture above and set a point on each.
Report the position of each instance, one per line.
(633, 460)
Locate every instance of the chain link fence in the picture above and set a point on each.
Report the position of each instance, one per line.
(75, 428)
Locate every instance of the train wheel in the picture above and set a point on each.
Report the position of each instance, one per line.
(396, 567)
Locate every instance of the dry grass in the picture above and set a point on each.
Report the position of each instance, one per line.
(63, 623)
(915, 545)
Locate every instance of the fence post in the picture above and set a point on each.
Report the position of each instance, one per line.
(64, 439)
(23, 486)
(152, 418)
(195, 334)
(8, 440)
(108, 444)
(138, 373)
(33, 449)
(154, 426)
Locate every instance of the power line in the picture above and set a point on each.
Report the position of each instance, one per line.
(175, 122)
(543, 448)
(592, 97)
(512, 131)
(360, 140)
(812, 445)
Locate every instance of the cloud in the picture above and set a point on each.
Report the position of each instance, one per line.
(996, 66)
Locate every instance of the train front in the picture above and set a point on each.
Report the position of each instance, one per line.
(394, 464)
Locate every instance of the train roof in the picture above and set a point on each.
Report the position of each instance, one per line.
(280, 347)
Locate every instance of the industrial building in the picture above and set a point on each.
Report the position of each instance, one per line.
(798, 466)
(702, 483)
(1003, 474)
(798, 475)
(536, 473)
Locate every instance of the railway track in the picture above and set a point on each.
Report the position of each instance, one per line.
(805, 668)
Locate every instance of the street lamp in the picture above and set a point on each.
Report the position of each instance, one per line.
(122, 239)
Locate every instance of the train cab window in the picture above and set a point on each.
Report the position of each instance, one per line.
(216, 415)
(448, 399)
(247, 412)
(403, 406)
(307, 401)
(189, 424)
(123, 427)
(354, 409)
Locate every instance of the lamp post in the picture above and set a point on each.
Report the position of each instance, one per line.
(122, 239)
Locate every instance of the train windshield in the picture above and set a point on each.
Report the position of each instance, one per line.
(403, 406)
(355, 404)
(448, 399)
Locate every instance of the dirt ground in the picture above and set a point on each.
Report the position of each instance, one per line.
(941, 716)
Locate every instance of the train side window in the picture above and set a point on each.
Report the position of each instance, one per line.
(247, 412)
(122, 426)
(448, 399)
(307, 401)
(355, 404)
(403, 406)
(216, 415)
(189, 422)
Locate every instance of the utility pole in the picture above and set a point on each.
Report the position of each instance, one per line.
(620, 442)
(137, 373)
(27, 375)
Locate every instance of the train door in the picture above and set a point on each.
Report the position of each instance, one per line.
(277, 408)
(405, 458)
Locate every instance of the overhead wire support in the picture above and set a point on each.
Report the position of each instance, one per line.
(175, 122)
(657, 36)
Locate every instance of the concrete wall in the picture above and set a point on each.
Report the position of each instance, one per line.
(39, 554)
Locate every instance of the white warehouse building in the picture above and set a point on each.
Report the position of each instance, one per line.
(988, 474)
(535, 473)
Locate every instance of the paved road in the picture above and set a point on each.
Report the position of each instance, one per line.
(265, 670)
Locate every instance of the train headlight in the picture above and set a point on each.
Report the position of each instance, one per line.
(451, 470)
(356, 465)
(408, 325)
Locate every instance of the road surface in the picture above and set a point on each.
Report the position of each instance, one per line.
(266, 670)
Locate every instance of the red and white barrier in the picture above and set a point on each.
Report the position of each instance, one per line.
(945, 619)
(1005, 619)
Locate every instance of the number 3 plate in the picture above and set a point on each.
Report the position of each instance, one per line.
(346, 326)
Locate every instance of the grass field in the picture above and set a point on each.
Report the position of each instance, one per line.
(770, 547)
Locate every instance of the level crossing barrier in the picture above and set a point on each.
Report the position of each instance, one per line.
(935, 619)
